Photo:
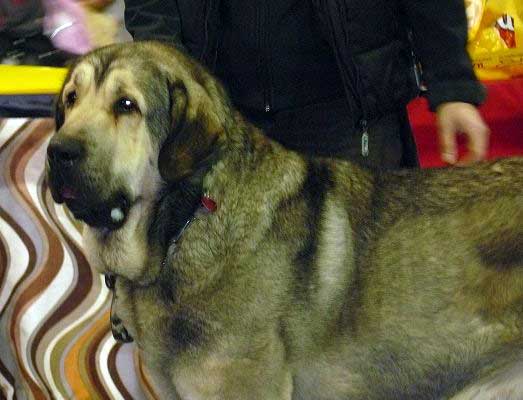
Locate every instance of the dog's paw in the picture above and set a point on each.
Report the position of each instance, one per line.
(119, 332)
(110, 281)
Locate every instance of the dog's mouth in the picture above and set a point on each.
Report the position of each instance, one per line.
(107, 214)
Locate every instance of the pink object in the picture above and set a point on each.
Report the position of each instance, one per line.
(64, 23)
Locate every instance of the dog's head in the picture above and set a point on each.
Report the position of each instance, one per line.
(128, 116)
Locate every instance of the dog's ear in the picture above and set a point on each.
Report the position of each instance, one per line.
(195, 128)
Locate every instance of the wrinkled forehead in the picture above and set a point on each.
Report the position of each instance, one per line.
(115, 73)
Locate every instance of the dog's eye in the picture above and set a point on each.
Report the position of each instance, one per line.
(70, 99)
(125, 106)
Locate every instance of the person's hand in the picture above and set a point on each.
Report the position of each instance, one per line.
(454, 118)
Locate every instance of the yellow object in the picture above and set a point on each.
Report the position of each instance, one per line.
(475, 9)
(24, 79)
(496, 38)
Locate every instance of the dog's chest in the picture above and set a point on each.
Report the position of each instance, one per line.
(124, 254)
(160, 326)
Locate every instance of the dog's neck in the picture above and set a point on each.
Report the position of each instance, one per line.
(124, 252)
(177, 201)
(138, 250)
(176, 204)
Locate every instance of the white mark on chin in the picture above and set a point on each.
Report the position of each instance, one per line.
(116, 214)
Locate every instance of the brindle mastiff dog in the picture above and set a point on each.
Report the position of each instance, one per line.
(247, 271)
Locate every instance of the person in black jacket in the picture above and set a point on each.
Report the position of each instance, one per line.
(332, 77)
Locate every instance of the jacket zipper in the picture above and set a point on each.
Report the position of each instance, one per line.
(364, 121)
(266, 59)
(364, 138)
(207, 14)
(328, 10)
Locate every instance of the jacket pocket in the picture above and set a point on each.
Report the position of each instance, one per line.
(387, 77)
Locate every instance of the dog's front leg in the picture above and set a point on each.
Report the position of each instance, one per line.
(161, 382)
(255, 374)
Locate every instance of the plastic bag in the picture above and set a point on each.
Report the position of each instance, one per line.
(496, 38)
(475, 9)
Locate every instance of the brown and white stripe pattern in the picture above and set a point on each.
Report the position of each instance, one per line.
(55, 340)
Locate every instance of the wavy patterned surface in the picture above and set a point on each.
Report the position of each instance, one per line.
(55, 340)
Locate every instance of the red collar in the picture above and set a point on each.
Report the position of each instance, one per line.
(208, 204)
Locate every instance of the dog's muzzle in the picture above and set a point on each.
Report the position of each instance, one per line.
(70, 184)
(65, 154)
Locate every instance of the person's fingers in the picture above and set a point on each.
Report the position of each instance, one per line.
(478, 138)
(457, 118)
(448, 146)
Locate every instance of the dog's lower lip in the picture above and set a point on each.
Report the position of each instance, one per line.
(105, 217)
(68, 193)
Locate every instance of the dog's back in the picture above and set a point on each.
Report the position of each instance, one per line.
(436, 296)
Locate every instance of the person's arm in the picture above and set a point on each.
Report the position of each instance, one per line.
(153, 20)
(440, 38)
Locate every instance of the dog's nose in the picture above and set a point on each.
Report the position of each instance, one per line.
(66, 152)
